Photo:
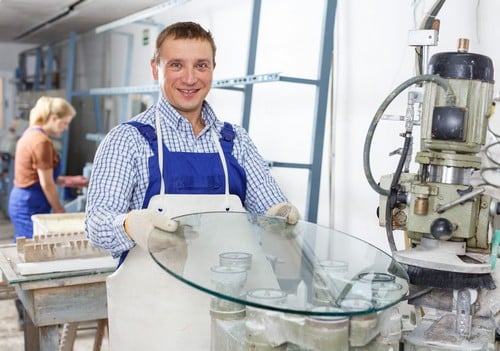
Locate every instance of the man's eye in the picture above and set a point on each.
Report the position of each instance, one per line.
(175, 65)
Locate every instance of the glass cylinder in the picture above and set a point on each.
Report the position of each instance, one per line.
(328, 281)
(236, 259)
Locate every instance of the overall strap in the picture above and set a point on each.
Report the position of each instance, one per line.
(149, 134)
(227, 133)
(147, 131)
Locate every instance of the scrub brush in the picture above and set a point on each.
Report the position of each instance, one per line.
(494, 249)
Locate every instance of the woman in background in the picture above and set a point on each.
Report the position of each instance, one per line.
(37, 165)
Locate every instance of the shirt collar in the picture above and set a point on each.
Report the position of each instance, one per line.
(175, 119)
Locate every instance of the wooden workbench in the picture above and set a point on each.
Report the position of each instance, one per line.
(53, 299)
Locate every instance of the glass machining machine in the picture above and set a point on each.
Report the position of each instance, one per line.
(447, 215)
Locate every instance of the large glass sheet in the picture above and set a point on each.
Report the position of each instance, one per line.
(262, 261)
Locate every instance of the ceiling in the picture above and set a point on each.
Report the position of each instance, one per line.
(48, 21)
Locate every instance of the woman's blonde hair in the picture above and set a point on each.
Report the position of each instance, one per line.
(47, 106)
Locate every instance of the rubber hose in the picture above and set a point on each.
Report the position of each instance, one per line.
(393, 193)
(378, 115)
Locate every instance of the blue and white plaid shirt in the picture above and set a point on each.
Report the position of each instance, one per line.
(120, 174)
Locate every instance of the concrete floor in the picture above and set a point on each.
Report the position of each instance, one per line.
(11, 336)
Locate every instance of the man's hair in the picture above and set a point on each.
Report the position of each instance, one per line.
(183, 30)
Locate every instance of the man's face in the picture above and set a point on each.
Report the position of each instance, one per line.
(185, 74)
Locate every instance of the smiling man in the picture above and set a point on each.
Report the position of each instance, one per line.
(199, 154)
(200, 164)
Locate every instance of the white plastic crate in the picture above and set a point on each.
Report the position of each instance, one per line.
(56, 223)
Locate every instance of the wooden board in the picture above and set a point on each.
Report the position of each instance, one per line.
(70, 265)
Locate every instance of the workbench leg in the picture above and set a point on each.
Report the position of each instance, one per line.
(102, 325)
(49, 338)
(31, 334)
(68, 337)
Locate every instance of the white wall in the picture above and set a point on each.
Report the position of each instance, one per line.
(9, 56)
(8, 64)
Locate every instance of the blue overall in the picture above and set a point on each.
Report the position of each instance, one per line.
(191, 172)
(25, 202)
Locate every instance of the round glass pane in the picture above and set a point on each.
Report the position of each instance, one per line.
(263, 262)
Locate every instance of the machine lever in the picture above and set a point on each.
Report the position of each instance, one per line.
(460, 200)
(398, 151)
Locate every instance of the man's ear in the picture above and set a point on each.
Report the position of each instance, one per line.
(154, 69)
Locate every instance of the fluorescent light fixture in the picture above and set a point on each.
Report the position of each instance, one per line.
(139, 15)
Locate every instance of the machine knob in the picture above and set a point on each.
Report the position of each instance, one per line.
(441, 229)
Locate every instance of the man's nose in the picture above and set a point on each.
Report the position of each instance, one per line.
(190, 76)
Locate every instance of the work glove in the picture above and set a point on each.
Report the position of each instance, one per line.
(285, 210)
(140, 223)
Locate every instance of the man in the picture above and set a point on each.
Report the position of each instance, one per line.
(200, 157)
(183, 64)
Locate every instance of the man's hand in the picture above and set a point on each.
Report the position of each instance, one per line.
(286, 210)
(140, 223)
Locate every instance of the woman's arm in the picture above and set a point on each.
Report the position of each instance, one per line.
(77, 181)
(48, 185)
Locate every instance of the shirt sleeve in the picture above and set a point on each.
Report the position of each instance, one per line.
(112, 190)
(262, 189)
(44, 155)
